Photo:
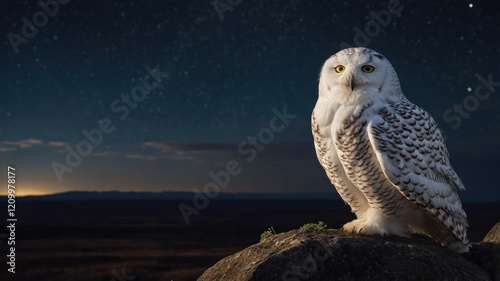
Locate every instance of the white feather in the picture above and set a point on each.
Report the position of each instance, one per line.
(385, 155)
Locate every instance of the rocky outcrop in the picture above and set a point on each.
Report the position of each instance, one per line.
(493, 235)
(331, 255)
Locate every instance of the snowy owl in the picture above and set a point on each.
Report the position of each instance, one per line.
(385, 156)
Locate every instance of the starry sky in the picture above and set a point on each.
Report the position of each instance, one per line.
(157, 95)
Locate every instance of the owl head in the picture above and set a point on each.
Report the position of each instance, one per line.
(358, 75)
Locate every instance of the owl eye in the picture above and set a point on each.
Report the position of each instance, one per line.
(367, 68)
(339, 68)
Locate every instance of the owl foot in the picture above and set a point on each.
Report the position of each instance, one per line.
(362, 227)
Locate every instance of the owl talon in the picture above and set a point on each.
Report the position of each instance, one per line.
(363, 227)
(352, 227)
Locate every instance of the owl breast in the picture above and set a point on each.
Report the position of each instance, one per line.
(361, 167)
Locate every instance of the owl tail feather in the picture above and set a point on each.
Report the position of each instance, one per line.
(444, 236)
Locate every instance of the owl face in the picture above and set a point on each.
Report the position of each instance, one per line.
(354, 75)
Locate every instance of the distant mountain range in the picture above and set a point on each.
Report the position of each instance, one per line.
(121, 195)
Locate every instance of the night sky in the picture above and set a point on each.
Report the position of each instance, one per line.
(155, 95)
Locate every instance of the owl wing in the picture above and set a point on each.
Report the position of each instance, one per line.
(414, 158)
(324, 147)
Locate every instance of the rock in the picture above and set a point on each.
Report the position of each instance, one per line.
(331, 255)
(493, 235)
(486, 256)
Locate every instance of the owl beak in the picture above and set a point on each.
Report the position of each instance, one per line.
(352, 83)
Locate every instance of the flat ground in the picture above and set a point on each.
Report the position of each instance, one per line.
(149, 240)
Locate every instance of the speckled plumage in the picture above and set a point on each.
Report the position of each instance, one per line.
(385, 156)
